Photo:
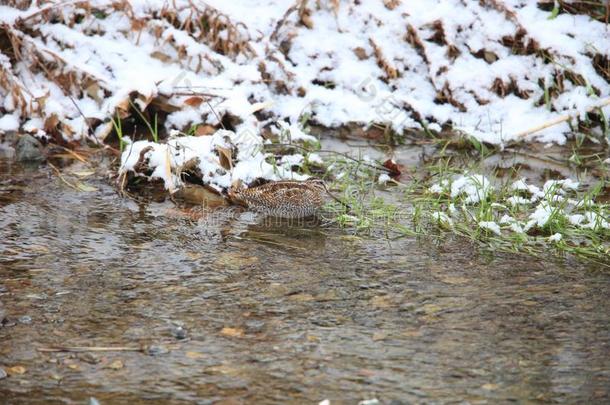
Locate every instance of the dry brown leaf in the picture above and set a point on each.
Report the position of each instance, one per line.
(391, 4)
(393, 167)
(301, 297)
(94, 91)
(360, 53)
(161, 56)
(259, 106)
(194, 355)
(335, 6)
(204, 130)
(194, 101)
(201, 195)
(50, 124)
(226, 157)
(305, 15)
(232, 332)
(382, 62)
(16, 370)
(163, 103)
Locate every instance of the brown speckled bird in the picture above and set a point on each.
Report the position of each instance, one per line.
(285, 199)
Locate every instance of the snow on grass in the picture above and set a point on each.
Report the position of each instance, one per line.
(541, 216)
(474, 187)
(490, 226)
(573, 217)
(546, 207)
(442, 218)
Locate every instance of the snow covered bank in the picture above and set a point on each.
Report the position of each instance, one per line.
(218, 160)
(494, 69)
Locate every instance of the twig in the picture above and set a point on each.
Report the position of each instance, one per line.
(217, 116)
(337, 199)
(559, 120)
(80, 349)
(34, 13)
(62, 178)
(75, 155)
(198, 93)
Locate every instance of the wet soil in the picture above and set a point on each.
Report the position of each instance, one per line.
(230, 309)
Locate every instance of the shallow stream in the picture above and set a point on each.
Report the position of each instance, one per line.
(229, 310)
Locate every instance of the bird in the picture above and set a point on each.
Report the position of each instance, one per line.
(283, 198)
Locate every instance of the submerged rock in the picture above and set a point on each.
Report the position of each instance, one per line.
(28, 149)
(25, 319)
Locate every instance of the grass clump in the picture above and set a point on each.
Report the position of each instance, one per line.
(514, 215)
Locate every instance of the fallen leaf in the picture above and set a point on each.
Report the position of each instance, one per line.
(50, 124)
(84, 173)
(116, 365)
(226, 157)
(194, 101)
(204, 130)
(360, 53)
(232, 332)
(16, 370)
(194, 355)
(161, 56)
(301, 297)
(201, 195)
(259, 106)
(94, 90)
(393, 167)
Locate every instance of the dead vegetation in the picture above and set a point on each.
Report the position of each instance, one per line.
(597, 9)
(32, 45)
(42, 46)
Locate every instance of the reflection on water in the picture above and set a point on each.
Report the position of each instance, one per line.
(231, 310)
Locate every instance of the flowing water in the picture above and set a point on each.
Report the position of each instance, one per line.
(225, 309)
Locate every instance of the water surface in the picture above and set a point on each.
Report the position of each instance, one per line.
(229, 310)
